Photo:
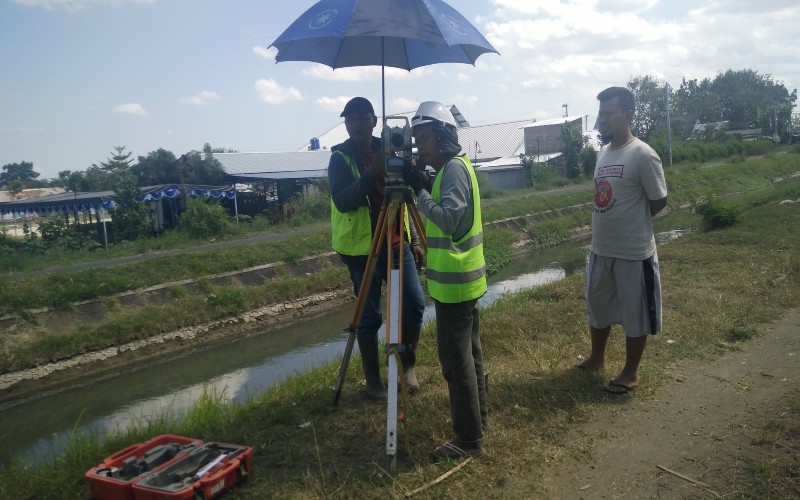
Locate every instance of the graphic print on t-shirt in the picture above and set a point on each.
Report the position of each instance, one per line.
(603, 194)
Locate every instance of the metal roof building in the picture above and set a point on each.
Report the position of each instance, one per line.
(490, 147)
(276, 166)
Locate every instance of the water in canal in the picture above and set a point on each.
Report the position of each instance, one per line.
(237, 369)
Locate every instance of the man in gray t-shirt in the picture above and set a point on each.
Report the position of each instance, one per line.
(623, 283)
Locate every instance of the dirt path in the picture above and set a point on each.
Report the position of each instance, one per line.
(702, 426)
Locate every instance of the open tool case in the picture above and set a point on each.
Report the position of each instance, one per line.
(170, 467)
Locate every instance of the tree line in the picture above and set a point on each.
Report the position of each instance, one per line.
(744, 99)
(119, 169)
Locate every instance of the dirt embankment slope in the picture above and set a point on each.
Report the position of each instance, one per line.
(695, 436)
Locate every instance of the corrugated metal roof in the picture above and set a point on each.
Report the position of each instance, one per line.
(296, 174)
(554, 121)
(496, 140)
(26, 194)
(513, 161)
(276, 165)
(504, 162)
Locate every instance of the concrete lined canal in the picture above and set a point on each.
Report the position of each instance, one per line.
(235, 369)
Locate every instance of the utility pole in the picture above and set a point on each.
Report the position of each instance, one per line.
(669, 127)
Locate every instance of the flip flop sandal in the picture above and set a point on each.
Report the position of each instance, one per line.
(617, 389)
(451, 450)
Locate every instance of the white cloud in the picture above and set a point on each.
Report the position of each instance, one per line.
(323, 72)
(266, 53)
(397, 105)
(465, 101)
(332, 103)
(402, 104)
(271, 92)
(202, 98)
(131, 108)
(463, 78)
(23, 130)
(625, 5)
(361, 73)
(557, 52)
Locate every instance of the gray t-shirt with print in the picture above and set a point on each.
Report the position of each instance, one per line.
(625, 180)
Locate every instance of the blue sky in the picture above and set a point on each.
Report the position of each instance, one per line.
(80, 77)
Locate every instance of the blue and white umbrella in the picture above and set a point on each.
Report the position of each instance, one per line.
(403, 34)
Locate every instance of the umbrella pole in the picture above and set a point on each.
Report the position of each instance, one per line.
(383, 83)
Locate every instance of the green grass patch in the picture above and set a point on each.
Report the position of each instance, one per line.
(498, 249)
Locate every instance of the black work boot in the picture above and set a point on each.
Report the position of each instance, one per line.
(372, 371)
(409, 359)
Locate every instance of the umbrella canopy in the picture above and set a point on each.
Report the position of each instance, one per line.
(403, 34)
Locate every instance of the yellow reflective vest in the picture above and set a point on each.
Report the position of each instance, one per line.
(456, 269)
(351, 232)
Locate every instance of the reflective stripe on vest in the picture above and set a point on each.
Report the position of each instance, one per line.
(456, 269)
(351, 232)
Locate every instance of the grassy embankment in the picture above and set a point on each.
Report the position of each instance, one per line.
(60, 289)
(304, 449)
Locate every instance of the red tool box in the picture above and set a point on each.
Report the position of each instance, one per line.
(169, 467)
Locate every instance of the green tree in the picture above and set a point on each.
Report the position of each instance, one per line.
(537, 173)
(120, 161)
(104, 177)
(129, 218)
(97, 179)
(572, 141)
(751, 100)
(697, 101)
(22, 172)
(205, 218)
(158, 167)
(207, 149)
(71, 181)
(744, 98)
(588, 159)
(15, 187)
(651, 104)
(196, 168)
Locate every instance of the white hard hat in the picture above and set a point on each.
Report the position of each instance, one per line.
(431, 112)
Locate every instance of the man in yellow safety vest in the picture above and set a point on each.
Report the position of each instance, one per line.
(456, 272)
(356, 181)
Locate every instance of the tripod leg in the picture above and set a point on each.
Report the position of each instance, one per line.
(417, 221)
(363, 293)
(348, 351)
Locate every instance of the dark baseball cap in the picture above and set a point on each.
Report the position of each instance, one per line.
(357, 105)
